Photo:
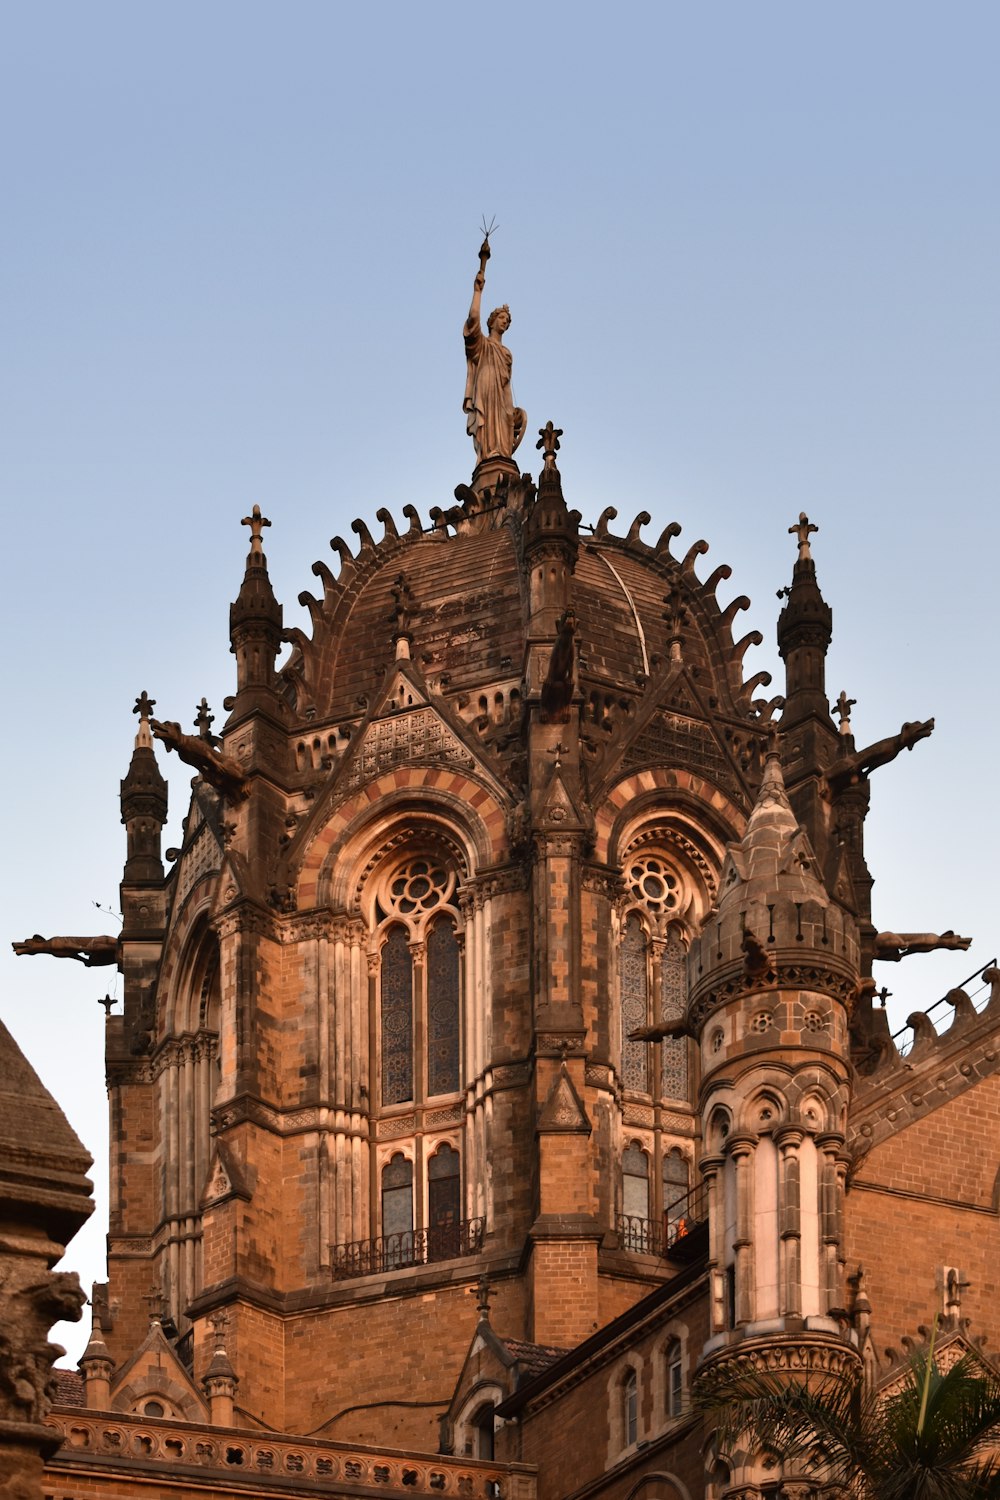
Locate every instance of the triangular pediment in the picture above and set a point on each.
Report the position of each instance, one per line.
(677, 730)
(224, 1180)
(563, 1111)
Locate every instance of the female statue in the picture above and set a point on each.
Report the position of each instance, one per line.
(495, 424)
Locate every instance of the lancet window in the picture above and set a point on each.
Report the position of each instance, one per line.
(419, 989)
(653, 975)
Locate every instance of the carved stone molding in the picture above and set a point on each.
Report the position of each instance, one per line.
(735, 984)
(797, 1356)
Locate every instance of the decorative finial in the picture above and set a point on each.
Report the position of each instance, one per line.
(144, 706)
(204, 720)
(676, 617)
(548, 442)
(483, 1294)
(401, 616)
(219, 1322)
(842, 708)
(803, 531)
(256, 522)
(107, 1001)
(154, 1301)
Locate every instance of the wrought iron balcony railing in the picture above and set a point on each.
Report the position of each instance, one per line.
(412, 1247)
(676, 1236)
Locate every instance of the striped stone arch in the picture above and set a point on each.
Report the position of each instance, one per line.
(465, 800)
(682, 788)
(189, 931)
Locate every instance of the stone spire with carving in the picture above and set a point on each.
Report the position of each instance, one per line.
(805, 629)
(255, 627)
(143, 803)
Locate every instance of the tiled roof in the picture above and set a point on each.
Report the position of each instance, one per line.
(69, 1387)
(534, 1357)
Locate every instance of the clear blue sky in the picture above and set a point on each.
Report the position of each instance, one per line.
(751, 254)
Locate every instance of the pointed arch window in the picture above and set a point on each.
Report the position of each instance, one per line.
(635, 1003)
(630, 1409)
(442, 1008)
(397, 1019)
(673, 1003)
(397, 1211)
(676, 1183)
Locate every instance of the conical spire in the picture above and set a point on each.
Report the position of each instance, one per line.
(774, 858)
(805, 629)
(143, 802)
(255, 620)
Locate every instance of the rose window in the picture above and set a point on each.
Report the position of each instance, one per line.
(653, 883)
(419, 886)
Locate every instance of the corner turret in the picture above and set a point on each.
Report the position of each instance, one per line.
(773, 976)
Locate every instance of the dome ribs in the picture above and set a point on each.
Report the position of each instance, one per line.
(390, 532)
(347, 566)
(641, 520)
(607, 514)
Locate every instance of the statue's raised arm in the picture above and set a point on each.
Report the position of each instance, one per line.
(494, 423)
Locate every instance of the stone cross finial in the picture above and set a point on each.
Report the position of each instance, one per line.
(154, 1301)
(144, 705)
(842, 708)
(803, 531)
(548, 441)
(107, 1001)
(204, 719)
(676, 617)
(256, 522)
(483, 1294)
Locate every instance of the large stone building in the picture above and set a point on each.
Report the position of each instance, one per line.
(500, 1046)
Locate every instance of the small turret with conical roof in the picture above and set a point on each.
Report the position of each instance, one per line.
(773, 976)
(805, 630)
(255, 628)
(143, 803)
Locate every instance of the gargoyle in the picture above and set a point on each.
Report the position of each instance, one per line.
(560, 680)
(220, 771)
(892, 946)
(857, 767)
(92, 951)
(756, 960)
(663, 1031)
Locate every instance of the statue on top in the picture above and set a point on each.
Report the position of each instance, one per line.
(494, 423)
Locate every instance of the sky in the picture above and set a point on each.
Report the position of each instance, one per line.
(751, 257)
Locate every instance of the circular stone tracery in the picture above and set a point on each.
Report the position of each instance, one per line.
(418, 886)
(653, 883)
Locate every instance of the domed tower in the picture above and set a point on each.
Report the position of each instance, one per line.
(773, 976)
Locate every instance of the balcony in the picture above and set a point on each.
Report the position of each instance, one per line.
(681, 1237)
(414, 1247)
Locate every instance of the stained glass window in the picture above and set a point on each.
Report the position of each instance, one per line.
(634, 984)
(673, 1003)
(442, 1009)
(675, 1185)
(444, 1202)
(397, 1212)
(397, 1019)
(635, 1183)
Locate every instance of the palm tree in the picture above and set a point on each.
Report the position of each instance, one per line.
(924, 1442)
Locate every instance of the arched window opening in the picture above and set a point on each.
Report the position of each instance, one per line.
(635, 1002)
(397, 1212)
(636, 1230)
(630, 1409)
(443, 1071)
(673, 1003)
(675, 1190)
(444, 1204)
(675, 1379)
(397, 1019)
(483, 1426)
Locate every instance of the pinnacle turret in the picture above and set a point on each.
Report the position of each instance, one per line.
(255, 622)
(805, 629)
(143, 802)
